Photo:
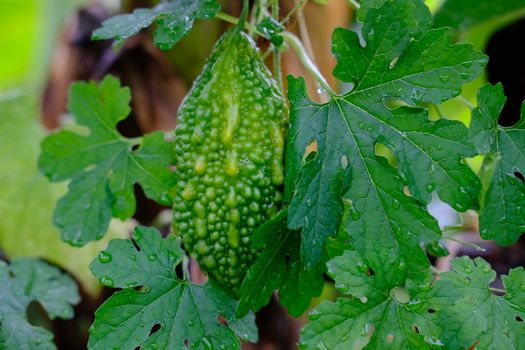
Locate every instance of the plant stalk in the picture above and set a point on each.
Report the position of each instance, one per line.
(294, 42)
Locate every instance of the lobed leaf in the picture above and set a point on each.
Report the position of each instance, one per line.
(174, 20)
(22, 282)
(471, 314)
(502, 197)
(103, 165)
(338, 182)
(157, 309)
(382, 310)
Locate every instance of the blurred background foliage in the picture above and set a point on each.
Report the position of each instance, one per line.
(44, 46)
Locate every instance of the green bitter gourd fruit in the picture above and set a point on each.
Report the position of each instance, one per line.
(229, 144)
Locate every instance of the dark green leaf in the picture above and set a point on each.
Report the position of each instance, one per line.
(279, 266)
(187, 313)
(384, 310)
(103, 165)
(502, 197)
(437, 248)
(271, 28)
(405, 62)
(462, 14)
(471, 313)
(22, 282)
(174, 20)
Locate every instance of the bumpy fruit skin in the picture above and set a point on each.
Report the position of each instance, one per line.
(229, 145)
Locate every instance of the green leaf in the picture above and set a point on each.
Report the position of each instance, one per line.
(187, 313)
(28, 199)
(103, 165)
(502, 197)
(403, 63)
(174, 20)
(22, 282)
(462, 14)
(279, 266)
(471, 314)
(271, 28)
(383, 310)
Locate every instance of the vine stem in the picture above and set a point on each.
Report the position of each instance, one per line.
(466, 102)
(277, 52)
(435, 270)
(305, 59)
(475, 246)
(354, 4)
(497, 290)
(186, 267)
(234, 20)
(298, 5)
(295, 43)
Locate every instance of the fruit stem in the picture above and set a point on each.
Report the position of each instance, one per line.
(294, 42)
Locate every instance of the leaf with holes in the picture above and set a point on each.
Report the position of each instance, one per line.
(404, 64)
(157, 309)
(174, 20)
(102, 164)
(279, 266)
(22, 282)
(502, 198)
(384, 310)
(470, 313)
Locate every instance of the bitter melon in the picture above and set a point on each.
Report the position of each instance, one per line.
(229, 144)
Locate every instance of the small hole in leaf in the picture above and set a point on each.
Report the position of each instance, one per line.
(393, 63)
(137, 247)
(344, 161)
(142, 289)
(287, 259)
(394, 104)
(384, 151)
(415, 329)
(431, 310)
(311, 151)
(156, 327)
(187, 343)
(135, 147)
(370, 272)
(519, 176)
(179, 272)
(221, 320)
(518, 318)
